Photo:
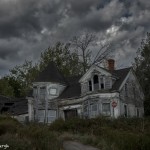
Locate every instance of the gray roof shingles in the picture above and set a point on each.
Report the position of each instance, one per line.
(50, 74)
(73, 89)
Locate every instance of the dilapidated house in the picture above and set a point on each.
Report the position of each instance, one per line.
(100, 91)
(15, 108)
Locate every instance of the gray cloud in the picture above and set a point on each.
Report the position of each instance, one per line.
(27, 27)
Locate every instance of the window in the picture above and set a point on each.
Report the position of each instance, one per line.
(102, 82)
(35, 91)
(85, 110)
(106, 109)
(94, 110)
(96, 82)
(42, 93)
(125, 111)
(90, 85)
(51, 115)
(41, 115)
(52, 91)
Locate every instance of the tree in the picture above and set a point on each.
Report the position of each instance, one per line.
(84, 45)
(67, 61)
(142, 70)
(5, 88)
(21, 78)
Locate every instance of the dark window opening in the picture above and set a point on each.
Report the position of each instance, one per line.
(125, 110)
(95, 79)
(102, 83)
(138, 114)
(72, 113)
(96, 82)
(90, 86)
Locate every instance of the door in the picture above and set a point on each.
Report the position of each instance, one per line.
(71, 113)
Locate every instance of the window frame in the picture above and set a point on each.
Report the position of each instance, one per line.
(52, 88)
(106, 112)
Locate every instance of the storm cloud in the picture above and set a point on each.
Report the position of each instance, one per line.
(27, 27)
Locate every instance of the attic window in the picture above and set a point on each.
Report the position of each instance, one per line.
(52, 91)
(90, 85)
(96, 82)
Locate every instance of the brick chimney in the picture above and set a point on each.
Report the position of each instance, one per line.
(111, 64)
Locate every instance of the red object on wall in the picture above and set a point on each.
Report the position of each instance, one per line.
(114, 104)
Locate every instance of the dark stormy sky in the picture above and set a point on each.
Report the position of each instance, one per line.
(27, 27)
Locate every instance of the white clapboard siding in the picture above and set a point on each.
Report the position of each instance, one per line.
(108, 82)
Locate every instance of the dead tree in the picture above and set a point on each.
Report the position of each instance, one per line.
(83, 42)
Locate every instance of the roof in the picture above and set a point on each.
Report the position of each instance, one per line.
(50, 74)
(4, 99)
(20, 107)
(73, 89)
(121, 74)
(15, 106)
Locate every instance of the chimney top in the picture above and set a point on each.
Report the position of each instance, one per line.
(111, 64)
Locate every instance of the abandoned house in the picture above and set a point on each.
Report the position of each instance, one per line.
(100, 91)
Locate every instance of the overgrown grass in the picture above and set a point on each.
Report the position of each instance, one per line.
(106, 134)
(115, 134)
(27, 137)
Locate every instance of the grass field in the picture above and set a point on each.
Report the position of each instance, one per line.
(106, 134)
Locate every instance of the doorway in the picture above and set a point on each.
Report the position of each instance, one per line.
(71, 113)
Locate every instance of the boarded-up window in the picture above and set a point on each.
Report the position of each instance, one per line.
(106, 109)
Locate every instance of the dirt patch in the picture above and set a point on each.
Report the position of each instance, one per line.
(72, 145)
